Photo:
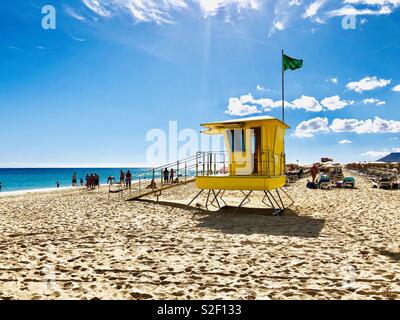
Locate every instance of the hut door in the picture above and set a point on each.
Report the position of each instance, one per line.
(256, 149)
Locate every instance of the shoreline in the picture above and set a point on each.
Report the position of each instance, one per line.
(36, 190)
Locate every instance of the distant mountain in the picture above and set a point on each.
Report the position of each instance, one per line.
(393, 157)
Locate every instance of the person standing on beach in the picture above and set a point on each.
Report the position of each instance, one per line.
(166, 175)
(110, 180)
(314, 172)
(171, 176)
(128, 179)
(58, 184)
(96, 180)
(122, 177)
(87, 180)
(74, 179)
(91, 181)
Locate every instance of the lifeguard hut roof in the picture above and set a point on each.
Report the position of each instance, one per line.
(217, 127)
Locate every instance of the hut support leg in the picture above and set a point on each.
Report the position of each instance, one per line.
(270, 201)
(201, 191)
(277, 211)
(244, 195)
(280, 199)
(223, 192)
(208, 198)
(245, 198)
(287, 195)
(281, 206)
(216, 198)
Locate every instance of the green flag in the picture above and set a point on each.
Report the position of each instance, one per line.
(291, 63)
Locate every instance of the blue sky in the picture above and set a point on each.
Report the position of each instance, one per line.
(90, 90)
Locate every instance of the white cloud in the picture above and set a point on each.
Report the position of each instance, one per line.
(345, 141)
(279, 25)
(266, 104)
(260, 88)
(160, 11)
(376, 125)
(396, 88)
(396, 149)
(72, 13)
(367, 84)
(313, 8)
(318, 124)
(335, 103)
(334, 80)
(351, 11)
(237, 108)
(295, 2)
(374, 2)
(211, 7)
(141, 11)
(375, 154)
(307, 129)
(97, 7)
(374, 101)
(307, 103)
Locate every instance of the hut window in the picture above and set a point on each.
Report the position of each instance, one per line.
(236, 140)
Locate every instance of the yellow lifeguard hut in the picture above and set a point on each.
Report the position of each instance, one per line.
(254, 160)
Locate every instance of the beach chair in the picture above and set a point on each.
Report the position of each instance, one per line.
(292, 178)
(324, 182)
(349, 182)
(385, 182)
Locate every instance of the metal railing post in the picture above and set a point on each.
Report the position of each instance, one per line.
(185, 170)
(223, 164)
(154, 181)
(197, 164)
(204, 163)
(209, 167)
(215, 163)
(177, 170)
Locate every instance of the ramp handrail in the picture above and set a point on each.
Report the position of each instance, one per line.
(146, 181)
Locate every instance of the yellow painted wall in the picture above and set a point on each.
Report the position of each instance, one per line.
(240, 182)
(272, 145)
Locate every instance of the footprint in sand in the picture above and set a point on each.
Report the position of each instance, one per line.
(140, 295)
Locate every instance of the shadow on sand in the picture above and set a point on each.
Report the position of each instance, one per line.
(395, 256)
(249, 221)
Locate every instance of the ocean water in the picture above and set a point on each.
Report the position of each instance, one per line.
(28, 179)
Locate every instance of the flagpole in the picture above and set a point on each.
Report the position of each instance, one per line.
(283, 91)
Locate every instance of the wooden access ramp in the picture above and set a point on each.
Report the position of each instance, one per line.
(140, 193)
(152, 181)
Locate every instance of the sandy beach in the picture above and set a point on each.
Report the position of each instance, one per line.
(75, 244)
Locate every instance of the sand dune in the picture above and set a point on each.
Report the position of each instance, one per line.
(74, 244)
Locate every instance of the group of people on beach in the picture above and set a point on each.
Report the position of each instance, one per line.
(168, 175)
(92, 181)
(124, 178)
